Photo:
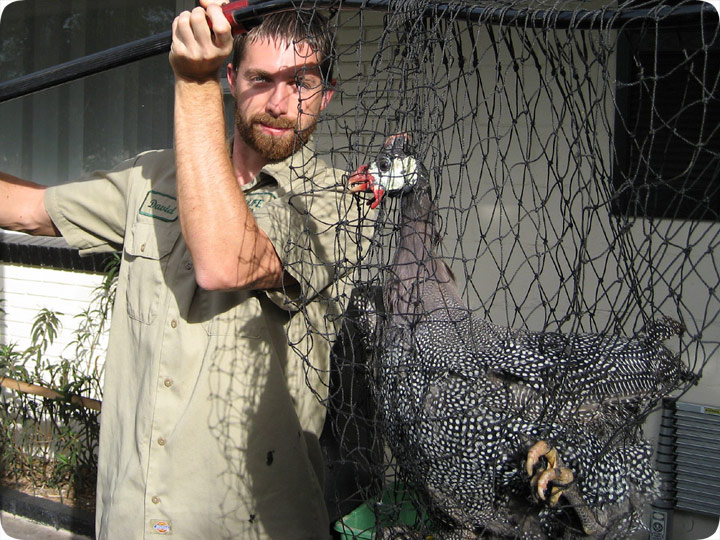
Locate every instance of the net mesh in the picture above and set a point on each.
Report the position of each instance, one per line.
(572, 155)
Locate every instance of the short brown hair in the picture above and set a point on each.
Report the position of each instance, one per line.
(295, 26)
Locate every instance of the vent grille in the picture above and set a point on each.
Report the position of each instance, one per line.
(688, 458)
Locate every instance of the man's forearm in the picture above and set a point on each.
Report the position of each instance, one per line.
(22, 207)
(228, 248)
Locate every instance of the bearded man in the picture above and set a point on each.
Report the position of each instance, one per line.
(231, 272)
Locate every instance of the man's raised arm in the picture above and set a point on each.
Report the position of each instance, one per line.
(22, 207)
(228, 248)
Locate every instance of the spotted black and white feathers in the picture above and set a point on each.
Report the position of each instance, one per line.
(509, 433)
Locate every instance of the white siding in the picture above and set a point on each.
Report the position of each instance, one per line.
(25, 290)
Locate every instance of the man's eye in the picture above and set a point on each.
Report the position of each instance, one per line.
(307, 83)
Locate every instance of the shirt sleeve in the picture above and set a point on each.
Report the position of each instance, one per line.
(91, 214)
(315, 231)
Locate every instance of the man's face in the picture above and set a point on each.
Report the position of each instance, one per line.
(278, 97)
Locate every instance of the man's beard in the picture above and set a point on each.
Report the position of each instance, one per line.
(272, 148)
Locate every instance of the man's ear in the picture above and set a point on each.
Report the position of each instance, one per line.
(231, 77)
(328, 93)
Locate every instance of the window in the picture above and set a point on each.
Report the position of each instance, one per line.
(61, 134)
(667, 128)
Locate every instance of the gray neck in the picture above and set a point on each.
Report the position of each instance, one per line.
(416, 269)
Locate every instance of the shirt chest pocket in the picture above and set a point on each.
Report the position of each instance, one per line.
(147, 250)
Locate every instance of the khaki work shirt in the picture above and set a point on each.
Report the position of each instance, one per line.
(208, 427)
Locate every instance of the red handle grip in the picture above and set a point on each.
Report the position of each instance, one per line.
(229, 12)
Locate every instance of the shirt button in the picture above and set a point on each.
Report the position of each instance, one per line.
(188, 266)
(142, 248)
(173, 323)
(168, 382)
(155, 500)
(161, 441)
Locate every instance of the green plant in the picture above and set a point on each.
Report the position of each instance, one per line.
(51, 442)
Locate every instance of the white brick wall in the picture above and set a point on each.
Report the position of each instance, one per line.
(25, 290)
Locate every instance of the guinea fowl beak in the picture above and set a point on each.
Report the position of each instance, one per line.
(361, 180)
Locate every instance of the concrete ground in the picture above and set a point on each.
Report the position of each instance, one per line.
(20, 528)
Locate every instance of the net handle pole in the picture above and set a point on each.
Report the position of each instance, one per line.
(87, 65)
(237, 13)
(160, 43)
(240, 14)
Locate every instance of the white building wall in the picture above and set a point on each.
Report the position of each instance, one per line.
(25, 290)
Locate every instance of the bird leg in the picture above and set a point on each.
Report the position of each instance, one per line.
(562, 478)
(554, 473)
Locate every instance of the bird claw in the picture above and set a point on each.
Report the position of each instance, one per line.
(554, 473)
(559, 476)
(538, 450)
(561, 479)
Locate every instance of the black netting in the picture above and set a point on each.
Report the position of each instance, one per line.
(572, 162)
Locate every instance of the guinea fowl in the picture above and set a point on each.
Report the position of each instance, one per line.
(508, 433)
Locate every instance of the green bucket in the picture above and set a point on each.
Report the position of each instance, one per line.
(395, 508)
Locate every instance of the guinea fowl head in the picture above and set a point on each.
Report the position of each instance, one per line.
(394, 171)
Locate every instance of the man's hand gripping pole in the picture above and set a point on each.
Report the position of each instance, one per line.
(231, 11)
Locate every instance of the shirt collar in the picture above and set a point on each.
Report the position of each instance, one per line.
(302, 163)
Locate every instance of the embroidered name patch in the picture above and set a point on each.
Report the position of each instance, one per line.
(159, 206)
(257, 199)
(160, 526)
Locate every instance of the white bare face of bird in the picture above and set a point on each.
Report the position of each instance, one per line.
(394, 173)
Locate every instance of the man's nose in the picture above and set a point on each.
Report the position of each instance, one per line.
(277, 105)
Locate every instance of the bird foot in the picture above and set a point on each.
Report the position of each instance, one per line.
(551, 480)
(560, 480)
